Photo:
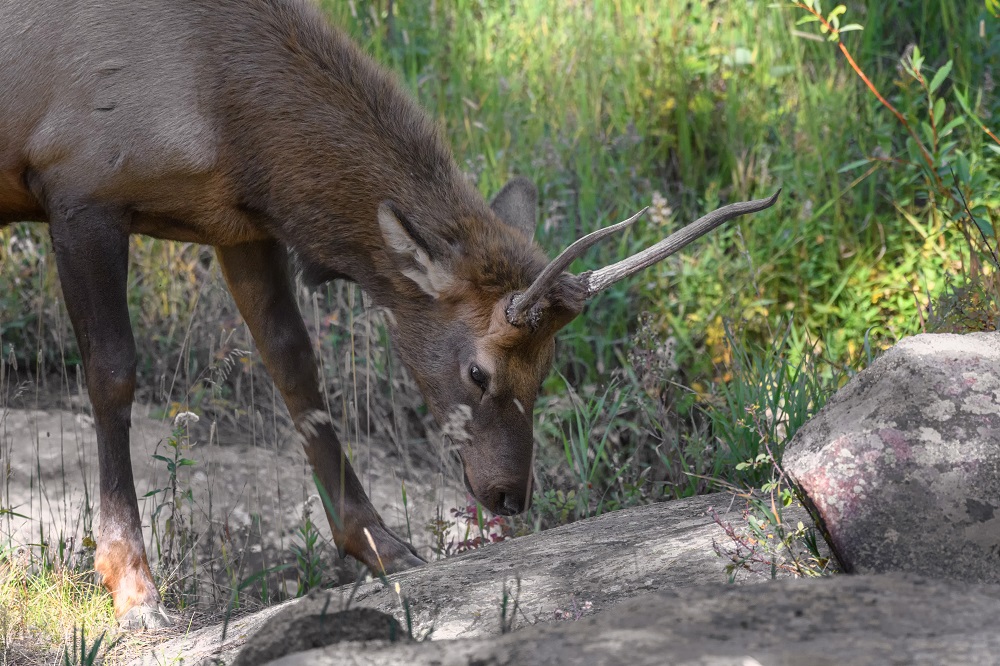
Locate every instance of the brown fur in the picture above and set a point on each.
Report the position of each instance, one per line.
(256, 127)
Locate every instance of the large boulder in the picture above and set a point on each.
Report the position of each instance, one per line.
(902, 465)
(857, 620)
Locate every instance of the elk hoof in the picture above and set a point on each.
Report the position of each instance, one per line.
(394, 554)
(146, 617)
(404, 561)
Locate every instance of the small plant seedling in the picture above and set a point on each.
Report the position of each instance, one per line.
(82, 655)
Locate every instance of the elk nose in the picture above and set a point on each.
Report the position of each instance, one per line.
(513, 504)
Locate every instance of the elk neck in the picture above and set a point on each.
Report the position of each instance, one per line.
(332, 135)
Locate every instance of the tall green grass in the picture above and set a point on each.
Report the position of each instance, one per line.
(605, 103)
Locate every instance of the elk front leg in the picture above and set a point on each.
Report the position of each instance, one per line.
(258, 277)
(91, 250)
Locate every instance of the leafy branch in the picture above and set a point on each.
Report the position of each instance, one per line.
(831, 25)
(931, 149)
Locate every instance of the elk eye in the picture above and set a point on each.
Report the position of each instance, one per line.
(479, 376)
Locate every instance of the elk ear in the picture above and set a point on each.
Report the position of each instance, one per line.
(516, 204)
(410, 253)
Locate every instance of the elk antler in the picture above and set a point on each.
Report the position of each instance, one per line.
(598, 280)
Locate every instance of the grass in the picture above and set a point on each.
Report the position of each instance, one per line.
(41, 608)
(673, 383)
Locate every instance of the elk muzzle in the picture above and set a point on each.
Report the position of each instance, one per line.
(500, 477)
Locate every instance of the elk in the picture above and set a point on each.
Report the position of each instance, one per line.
(258, 128)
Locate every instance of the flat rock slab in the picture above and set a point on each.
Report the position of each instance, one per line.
(857, 620)
(575, 570)
(903, 464)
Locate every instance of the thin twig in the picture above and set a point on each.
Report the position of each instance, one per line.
(965, 204)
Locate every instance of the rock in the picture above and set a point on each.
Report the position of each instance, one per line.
(857, 620)
(577, 569)
(313, 624)
(902, 465)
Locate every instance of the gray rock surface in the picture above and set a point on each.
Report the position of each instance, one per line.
(856, 620)
(601, 562)
(903, 464)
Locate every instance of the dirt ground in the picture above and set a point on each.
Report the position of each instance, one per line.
(244, 487)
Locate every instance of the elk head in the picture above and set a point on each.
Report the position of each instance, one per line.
(481, 339)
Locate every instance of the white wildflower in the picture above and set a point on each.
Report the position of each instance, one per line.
(184, 419)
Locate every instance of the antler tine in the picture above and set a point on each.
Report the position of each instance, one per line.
(602, 278)
(522, 303)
